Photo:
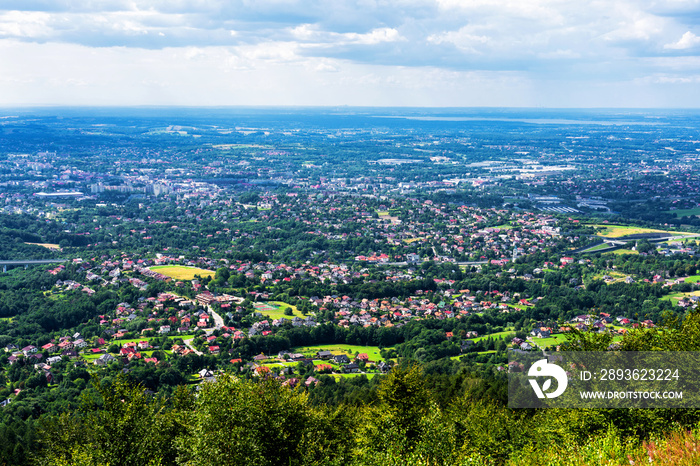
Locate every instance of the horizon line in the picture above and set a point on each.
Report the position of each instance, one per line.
(343, 106)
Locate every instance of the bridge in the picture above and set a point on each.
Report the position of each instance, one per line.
(29, 262)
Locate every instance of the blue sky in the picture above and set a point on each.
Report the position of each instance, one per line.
(548, 53)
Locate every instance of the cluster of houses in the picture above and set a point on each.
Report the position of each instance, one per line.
(52, 351)
(345, 363)
(605, 322)
(390, 312)
(467, 235)
(689, 302)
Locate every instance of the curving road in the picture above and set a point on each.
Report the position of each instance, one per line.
(190, 346)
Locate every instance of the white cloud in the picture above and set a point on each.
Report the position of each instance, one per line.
(687, 41)
(326, 67)
(25, 24)
(254, 51)
(376, 36)
(462, 39)
(312, 34)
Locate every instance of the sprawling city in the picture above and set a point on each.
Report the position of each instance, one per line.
(336, 286)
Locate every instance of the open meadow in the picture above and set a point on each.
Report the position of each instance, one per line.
(181, 272)
(618, 231)
(46, 245)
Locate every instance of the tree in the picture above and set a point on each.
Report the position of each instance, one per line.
(244, 422)
(123, 425)
(405, 399)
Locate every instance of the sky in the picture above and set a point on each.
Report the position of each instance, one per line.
(432, 53)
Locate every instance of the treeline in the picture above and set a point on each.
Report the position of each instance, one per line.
(15, 230)
(235, 421)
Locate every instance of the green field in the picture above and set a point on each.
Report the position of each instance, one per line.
(693, 279)
(181, 272)
(350, 350)
(496, 336)
(685, 212)
(275, 310)
(553, 340)
(123, 341)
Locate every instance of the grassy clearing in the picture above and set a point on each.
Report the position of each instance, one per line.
(675, 297)
(181, 272)
(615, 276)
(46, 245)
(456, 358)
(621, 252)
(89, 357)
(275, 310)
(504, 227)
(553, 340)
(693, 279)
(124, 341)
(522, 307)
(672, 297)
(351, 375)
(350, 350)
(6, 319)
(508, 334)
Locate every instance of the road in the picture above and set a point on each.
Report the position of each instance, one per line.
(617, 243)
(218, 320)
(189, 345)
(32, 261)
(402, 264)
